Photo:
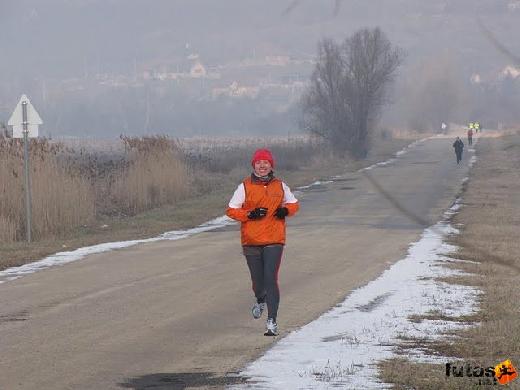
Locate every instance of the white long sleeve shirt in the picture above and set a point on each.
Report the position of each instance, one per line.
(239, 196)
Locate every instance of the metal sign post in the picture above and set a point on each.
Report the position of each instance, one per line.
(28, 209)
(25, 121)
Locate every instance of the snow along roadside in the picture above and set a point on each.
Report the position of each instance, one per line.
(62, 258)
(342, 347)
(398, 154)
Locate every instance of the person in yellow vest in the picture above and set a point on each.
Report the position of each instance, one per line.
(261, 203)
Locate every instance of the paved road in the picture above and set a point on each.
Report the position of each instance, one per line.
(171, 314)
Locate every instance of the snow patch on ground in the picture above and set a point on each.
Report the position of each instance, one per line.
(343, 346)
(315, 184)
(318, 183)
(78, 254)
(403, 151)
(472, 161)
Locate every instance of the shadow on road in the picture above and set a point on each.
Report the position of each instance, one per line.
(181, 380)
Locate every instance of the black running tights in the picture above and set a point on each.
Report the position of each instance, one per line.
(264, 263)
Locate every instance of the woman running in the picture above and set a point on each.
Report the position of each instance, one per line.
(261, 203)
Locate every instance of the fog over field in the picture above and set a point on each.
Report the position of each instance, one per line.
(99, 68)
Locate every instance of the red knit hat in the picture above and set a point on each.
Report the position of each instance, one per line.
(262, 154)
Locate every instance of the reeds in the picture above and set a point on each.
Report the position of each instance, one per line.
(156, 175)
(223, 156)
(61, 199)
(75, 186)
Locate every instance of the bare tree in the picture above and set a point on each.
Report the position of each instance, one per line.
(326, 112)
(348, 89)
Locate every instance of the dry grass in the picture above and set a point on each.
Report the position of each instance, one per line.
(224, 157)
(489, 237)
(439, 315)
(407, 376)
(150, 185)
(60, 198)
(71, 189)
(156, 175)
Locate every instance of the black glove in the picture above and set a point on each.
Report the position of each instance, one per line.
(257, 213)
(281, 212)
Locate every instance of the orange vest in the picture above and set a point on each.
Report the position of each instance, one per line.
(268, 230)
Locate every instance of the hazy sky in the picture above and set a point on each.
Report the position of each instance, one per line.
(55, 38)
(46, 40)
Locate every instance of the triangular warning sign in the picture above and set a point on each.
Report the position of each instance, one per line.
(33, 119)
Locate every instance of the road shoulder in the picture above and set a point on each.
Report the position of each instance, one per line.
(488, 241)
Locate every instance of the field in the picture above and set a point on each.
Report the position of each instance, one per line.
(84, 193)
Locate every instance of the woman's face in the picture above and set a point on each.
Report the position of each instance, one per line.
(262, 167)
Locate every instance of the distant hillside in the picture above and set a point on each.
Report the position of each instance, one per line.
(55, 40)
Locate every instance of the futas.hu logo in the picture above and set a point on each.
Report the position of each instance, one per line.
(503, 373)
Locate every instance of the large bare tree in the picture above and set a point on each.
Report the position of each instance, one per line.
(348, 89)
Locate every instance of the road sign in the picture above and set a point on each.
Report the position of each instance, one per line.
(17, 119)
(25, 121)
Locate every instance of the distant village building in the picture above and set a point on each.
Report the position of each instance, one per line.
(514, 5)
(195, 71)
(510, 71)
(198, 70)
(277, 60)
(289, 90)
(235, 90)
(475, 78)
